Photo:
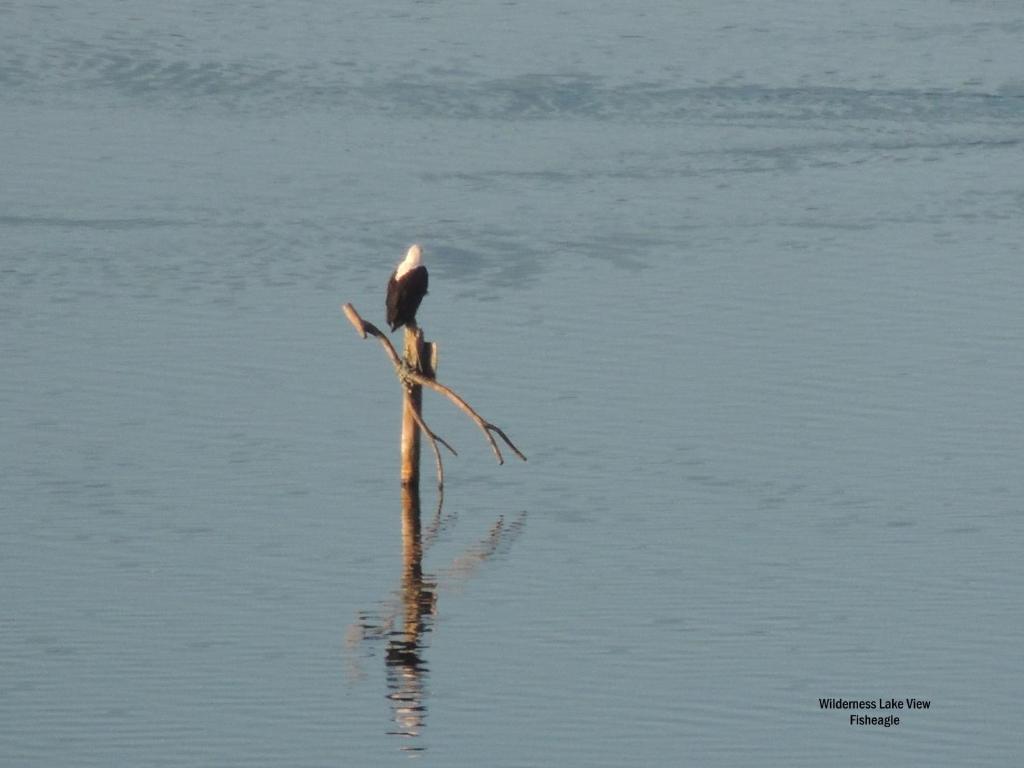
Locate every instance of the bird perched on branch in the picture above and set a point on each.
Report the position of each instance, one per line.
(406, 289)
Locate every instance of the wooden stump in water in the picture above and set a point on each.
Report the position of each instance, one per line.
(421, 357)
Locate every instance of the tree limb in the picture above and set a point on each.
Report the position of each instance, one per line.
(434, 440)
(405, 374)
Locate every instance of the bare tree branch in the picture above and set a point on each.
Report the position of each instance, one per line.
(434, 440)
(485, 426)
(407, 375)
(362, 328)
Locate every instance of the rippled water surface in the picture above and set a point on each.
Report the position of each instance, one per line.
(742, 280)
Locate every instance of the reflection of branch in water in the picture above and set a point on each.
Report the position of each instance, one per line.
(498, 541)
(404, 620)
(439, 524)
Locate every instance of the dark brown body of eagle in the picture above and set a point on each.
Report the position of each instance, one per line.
(406, 289)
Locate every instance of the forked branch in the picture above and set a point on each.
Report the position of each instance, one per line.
(406, 374)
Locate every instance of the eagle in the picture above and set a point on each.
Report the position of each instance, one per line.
(406, 289)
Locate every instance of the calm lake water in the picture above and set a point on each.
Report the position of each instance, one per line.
(742, 280)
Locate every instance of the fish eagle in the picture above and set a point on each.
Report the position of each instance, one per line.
(406, 289)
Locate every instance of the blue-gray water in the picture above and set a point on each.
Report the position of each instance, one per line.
(742, 280)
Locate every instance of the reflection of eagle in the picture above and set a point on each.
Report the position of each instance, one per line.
(406, 289)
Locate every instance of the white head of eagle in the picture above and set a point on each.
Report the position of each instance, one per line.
(406, 289)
